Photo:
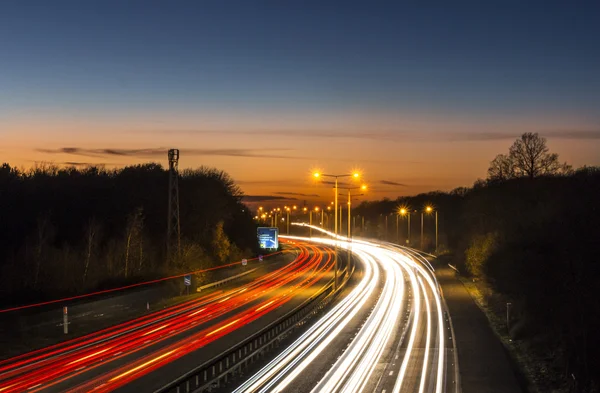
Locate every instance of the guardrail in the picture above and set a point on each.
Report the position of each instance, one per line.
(211, 374)
(224, 281)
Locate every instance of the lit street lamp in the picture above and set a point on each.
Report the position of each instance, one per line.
(310, 219)
(404, 212)
(318, 175)
(429, 210)
(287, 209)
(350, 196)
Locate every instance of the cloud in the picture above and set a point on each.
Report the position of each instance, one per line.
(296, 194)
(265, 198)
(498, 136)
(401, 135)
(83, 164)
(340, 184)
(392, 183)
(269, 182)
(162, 152)
(572, 134)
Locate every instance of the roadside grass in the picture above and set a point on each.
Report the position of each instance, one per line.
(536, 370)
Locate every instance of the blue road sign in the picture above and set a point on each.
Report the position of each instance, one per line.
(187, 280)
(268, 237)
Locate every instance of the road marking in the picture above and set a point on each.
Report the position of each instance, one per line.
(391, 373)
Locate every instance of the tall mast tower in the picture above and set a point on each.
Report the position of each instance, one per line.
(173, 228)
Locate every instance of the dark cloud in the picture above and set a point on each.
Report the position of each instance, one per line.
(289, 133)
(340, 184)
(498, 136)
(572, 134)
(402, 135)
(475, 136)
(392, 183)
(162, 152)
(83, 164)
(296, 194)
(268, 182)
(265, 198)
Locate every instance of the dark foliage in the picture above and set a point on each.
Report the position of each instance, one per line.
(66, 231)
(535, 242)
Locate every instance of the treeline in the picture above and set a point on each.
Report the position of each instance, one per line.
(532, 237)
(68, 230)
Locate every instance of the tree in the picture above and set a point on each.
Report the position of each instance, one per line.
(45, 234)
(221, 244)
(530, 157)
(502, 168)
(135, 223)
(91, 242)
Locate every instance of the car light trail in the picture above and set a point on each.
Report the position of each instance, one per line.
(355, 370)
(47, 367)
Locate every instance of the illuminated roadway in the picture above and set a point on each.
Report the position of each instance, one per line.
(145, 353)
(388, 333)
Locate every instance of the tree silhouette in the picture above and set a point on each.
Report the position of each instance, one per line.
(528, 157)
(68, 230)
(532, 242)
(502, 168)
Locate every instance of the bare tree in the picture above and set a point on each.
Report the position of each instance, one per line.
(45, 232)
(501, 168)
(134, 231)
(91, 235)
(530, 157)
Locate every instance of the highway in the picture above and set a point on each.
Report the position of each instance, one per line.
(140, 351)
(390, 333)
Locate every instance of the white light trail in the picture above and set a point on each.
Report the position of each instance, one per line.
(356, 368)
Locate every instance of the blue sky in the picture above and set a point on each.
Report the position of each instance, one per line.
(110, 61)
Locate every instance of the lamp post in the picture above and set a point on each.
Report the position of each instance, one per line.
(421, 231)
(428, 210)
(322, 217)
(318, 175)
(405, 212)
(340, 227)
(397, 228)
(287, 209)
(350, 196)
(336, 177)
(310, 219)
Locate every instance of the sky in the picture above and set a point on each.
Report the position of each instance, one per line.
(418, 97)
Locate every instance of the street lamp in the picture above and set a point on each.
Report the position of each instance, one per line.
(316, 210)
(319, 175)
(350, 196)
(428, 210)
(287, 209)
(403, 211)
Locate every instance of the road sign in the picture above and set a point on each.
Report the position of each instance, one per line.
(268, 237)
(260, 258)
(187, 280)
(65, 320)
(244, 262)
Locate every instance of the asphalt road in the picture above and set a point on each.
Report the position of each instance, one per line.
(484, 364)
(389, 333)
(26, 330)
(120, 360)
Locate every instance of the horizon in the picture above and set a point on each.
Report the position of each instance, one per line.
(419, 98)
